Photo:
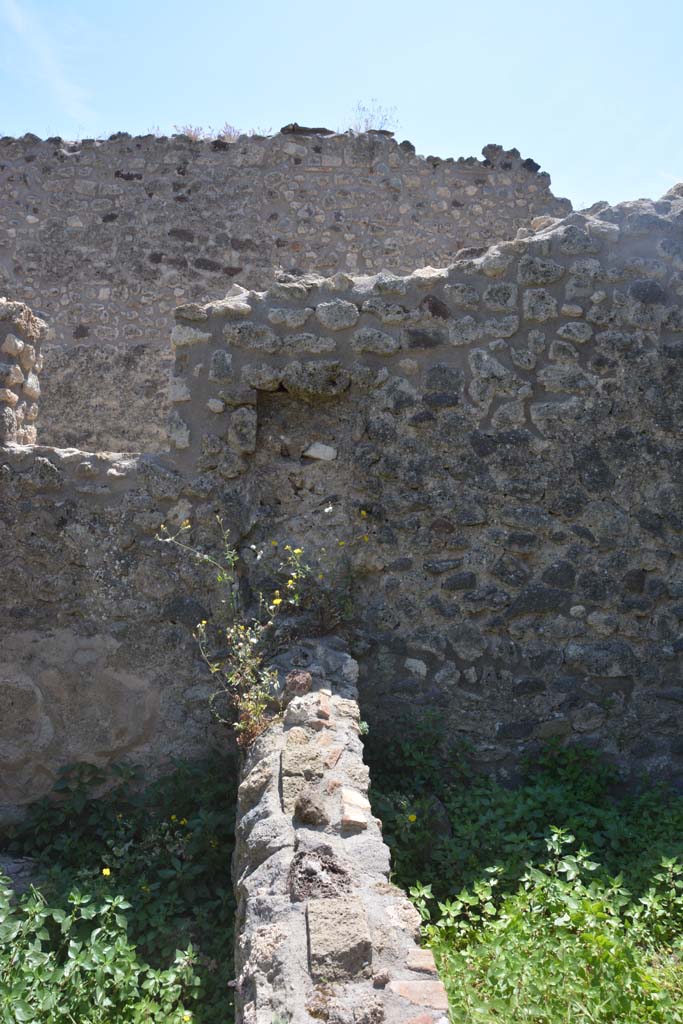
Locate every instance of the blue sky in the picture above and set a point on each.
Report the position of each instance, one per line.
(593, 91)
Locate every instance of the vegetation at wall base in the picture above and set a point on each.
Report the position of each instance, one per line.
(557, 901)
(132, 920)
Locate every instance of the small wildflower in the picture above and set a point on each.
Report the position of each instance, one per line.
(274, 543)
(173, 817)
(183, 821)
(366, 537)
(328, 508)
(277, 601)
(187, 1016)
(341, 543)
(288, 547)
(363, 514)
(144, 888)
(106, 872)
(412, 817)
(298, 551)
(321, 576)
(291, 583)
(162, 526)
(213, 843)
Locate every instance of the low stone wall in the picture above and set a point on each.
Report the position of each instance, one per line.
(21, 334)
(106, 237)
(321, 933)
(97, 660)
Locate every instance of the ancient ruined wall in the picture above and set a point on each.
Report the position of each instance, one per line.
(105, 238)
(484, 465)
(21, 334)
(321, 934)
(97, 660)
(487, 459)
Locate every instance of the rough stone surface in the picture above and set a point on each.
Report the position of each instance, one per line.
(104, 238)
(323, 934)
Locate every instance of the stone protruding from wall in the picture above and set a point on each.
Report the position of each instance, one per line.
(106, 237)
(21, 334)
(496, 447)
(321, 932)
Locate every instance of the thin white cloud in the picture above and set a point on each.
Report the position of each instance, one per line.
(37, 41)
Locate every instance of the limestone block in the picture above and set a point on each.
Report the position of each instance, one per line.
(304, 342)
(31, 387)
(178, 431)
(12, 345)
(10, 374)
(242, 429)
(337, 314)
(320, 452)
(178, 391)
(369, 339)
(539, 304)
(247, 334)
(339, 944)
(292, 319)
(183, 335)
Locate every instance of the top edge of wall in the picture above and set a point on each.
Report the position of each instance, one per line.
(495, 156)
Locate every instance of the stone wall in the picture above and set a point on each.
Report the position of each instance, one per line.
(487, 458)
(105, 238)
(321, 933)
(484, 465)
(21, 334)
(97, 658)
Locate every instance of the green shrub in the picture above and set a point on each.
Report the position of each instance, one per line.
(163, 855)
(537, 939)
(564, 947)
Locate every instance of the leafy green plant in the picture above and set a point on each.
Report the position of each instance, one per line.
(163, 851)
(235, 649)
(526, 927)
(564, 947)
(76, 963)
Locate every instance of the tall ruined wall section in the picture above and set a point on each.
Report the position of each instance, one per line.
(483, 465)
(105, 238)
(487, 460)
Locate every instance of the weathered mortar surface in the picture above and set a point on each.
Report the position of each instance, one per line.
(511, 427)
(105, 238)
(321, 933)
(98, 662)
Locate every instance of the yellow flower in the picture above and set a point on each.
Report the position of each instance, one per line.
(274, 543)
(173, 817)
(298, 551)
(366, 538)
(288, 547)
(187, 1016)
(321, 576)
(291, 583)
(277, 601)
(363, 514)
(183, 821)
(106, 872)
(341, 543)
(412, 817)
(213, 843)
